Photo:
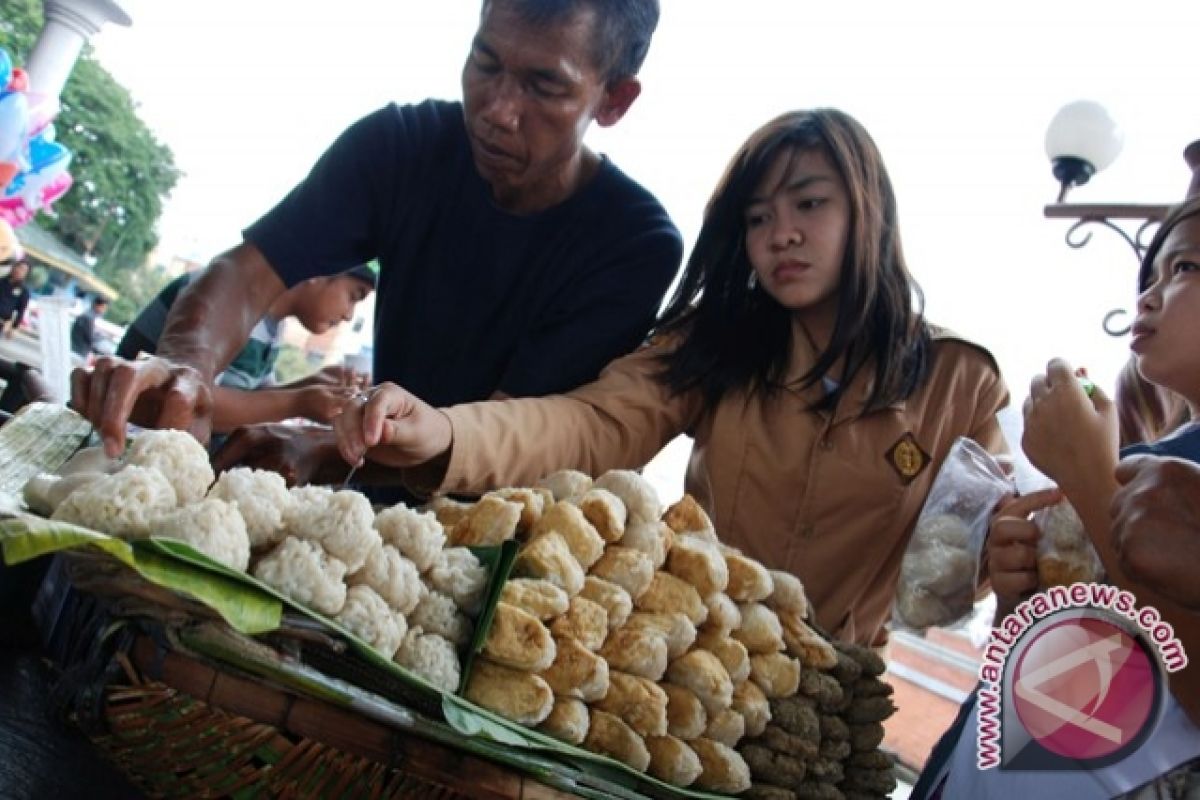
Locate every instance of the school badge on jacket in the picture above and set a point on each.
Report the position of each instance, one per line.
(907, 458)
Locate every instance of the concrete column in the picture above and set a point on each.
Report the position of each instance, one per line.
(69, 24)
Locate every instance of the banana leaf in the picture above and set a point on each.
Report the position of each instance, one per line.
(38, 439)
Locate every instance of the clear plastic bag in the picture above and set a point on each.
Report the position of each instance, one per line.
(1065, 553)
(940, 569)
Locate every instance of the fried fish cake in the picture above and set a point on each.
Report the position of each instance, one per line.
(514, 694)
(749, 581)
(533, 505)
(538, 597)
(519, 640)
(722, 769)
(672, 761)
(638, 651)
(700, 564)
(577, 672)
(642, 704)
(724, 616)
(678, 629)
(585, 621)
(547, 557)
(787, 594)
(686, 717)
(568, 720)
(610, 736)
(805, 644)
(703, 673)
(760, 630)
(778, 675)
(616, 601)
(606, 512)
(727, 727)
(753, 705)
(581, 538)
(667, 594)
(630, 569)
(733, 654)
(687, 516)
(491, 521)
(651, 537)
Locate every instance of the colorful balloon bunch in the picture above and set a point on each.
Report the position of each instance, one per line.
(33, 167)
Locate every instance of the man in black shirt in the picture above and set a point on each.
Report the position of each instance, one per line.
(14, 298)
(514, 259)
(83, 330)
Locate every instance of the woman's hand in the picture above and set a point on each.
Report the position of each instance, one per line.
(392, 427)
(1012, 549)
(1069, 436)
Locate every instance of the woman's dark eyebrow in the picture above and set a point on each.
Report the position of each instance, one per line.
(794, 186)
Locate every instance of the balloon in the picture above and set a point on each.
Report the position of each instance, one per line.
(14, 212)
(8, 171)
(18, 81)
(56, 188)
(43, 108)
(6, 68)
(14, 124)
(43, 153)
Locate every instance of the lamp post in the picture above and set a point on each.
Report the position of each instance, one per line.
(1082, 140)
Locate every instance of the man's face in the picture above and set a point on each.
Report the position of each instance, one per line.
(528, 97)
(20, 271)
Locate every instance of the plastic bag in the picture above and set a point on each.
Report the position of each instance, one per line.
(1065, 553)
(940, 569)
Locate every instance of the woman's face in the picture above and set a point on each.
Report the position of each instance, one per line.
(797, 223)
(1168, 320)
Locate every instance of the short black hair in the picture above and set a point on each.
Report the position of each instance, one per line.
(623, 29)
(99, 300)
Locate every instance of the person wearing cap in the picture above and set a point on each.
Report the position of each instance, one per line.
(244, 392)
(514, 260)
(14, 297)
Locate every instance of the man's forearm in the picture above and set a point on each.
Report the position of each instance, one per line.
(233, 408)
(211, 320)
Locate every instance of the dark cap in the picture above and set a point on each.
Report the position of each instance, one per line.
(364, 272)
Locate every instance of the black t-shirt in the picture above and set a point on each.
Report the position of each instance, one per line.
(473, 299)
(14, 297)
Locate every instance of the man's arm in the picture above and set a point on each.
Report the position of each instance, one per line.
(207, 326)
(233, 408)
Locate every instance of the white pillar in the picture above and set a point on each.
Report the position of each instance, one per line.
(69, 24)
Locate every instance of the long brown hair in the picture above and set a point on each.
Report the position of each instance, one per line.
(735, 337)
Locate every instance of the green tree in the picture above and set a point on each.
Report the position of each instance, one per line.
(122, 172)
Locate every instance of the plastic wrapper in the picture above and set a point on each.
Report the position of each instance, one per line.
(940, 569)
(1065, 553)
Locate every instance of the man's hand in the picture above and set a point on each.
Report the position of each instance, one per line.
(1156, 525)
(1069, 436)
(322, 402)
(154, 393)
(301, 454)
(7, 329)
(1012, 549)
(393, 428)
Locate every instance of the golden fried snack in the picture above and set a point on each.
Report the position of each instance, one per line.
(806, 644)
(667, 594)
(547, 557)
(585, 621)
(723, 615)
(787, 594)
(540, 598)
(546, 495)
(489, 522)
(616, 601)
(638, 651)
(675, 626)
(566, 518)
(610, 736)
(519, 640)
(568, 720)
(753, 705)
(513, 694)
(606, 512)
(733, 654)
(672, 761)
(687, 516)
(533, 505)
(637, 493)
(651, 537)
(686, 717)
(778, 675)
(760, 630)
(577, 672)
(642, 704)
(630, 569)
(699, 563)
(723, 770)
(448, 510)
(566, 483)
(703, 673)
(727, 727)
(749, 580)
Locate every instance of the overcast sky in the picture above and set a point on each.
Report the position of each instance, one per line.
(957, 95)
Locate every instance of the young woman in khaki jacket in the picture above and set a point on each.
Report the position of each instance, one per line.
(795, 353)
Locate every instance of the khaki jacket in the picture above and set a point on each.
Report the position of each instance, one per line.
(831, 498)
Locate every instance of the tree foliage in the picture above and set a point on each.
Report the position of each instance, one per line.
(122, 172)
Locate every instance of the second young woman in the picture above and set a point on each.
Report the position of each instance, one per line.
(794, 352)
